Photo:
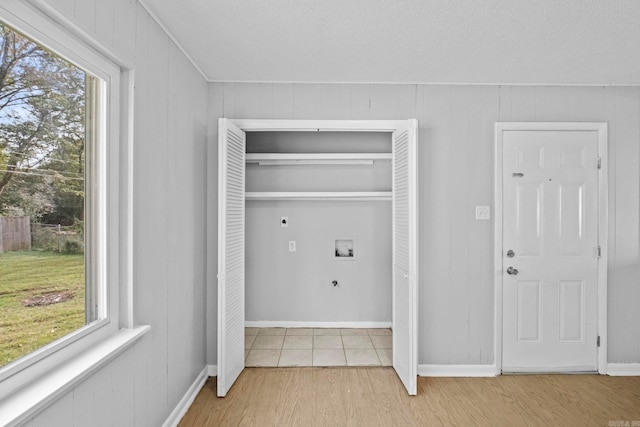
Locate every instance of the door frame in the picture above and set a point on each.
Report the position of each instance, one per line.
(388, 126)
(603, 209)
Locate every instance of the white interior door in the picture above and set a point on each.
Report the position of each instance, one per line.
(550, 250)
(231, 176)
(405, 269)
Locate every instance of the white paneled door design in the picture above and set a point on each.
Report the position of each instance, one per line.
(231, 152)
(550, 250)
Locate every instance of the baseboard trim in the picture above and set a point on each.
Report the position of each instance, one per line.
(623, 369)
(212, 370)
(457, 370)
(186, 401)
(295, 324)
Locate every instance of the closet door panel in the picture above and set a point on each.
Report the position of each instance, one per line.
(231, 217)
(405, 255)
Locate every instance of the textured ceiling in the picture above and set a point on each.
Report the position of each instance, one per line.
(413, 41)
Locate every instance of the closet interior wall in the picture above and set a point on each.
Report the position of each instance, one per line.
(284, 286)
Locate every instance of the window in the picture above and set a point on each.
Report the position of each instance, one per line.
(47, 129)
(66, 166)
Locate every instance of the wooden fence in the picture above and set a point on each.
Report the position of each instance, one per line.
(15, 233)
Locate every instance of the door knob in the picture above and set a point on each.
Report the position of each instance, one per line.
(512, 271)
(510, 253)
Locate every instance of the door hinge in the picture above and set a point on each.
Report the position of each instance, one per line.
(599, 251)
(599, 163)
(598, 341)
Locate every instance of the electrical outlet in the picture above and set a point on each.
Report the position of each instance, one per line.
(292, 245)
(483, 213)
(284, 221)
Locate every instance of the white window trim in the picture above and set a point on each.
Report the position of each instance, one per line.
(112, 261)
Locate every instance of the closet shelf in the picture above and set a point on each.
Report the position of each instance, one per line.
(320, 195)
(275, 159)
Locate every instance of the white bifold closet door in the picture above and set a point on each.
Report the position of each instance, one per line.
(231, 176)
(231, 226)
(405, 248)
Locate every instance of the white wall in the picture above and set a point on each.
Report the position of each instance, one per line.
(296, 286)
(456, 151)
(144, 384)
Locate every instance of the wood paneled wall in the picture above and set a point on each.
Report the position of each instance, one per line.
(456, 160)
(145, 384)
(175, 241)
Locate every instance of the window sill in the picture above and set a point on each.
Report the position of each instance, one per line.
(34, 397)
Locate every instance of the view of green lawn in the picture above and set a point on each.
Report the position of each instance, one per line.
(26, 276)
(43, 138)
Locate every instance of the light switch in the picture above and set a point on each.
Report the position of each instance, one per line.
(483, 213)
(292, 245)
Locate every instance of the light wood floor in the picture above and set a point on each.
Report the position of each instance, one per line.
(375, 397)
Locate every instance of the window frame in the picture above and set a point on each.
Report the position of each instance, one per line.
(109, 188)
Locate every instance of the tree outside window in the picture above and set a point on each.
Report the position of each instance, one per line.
(45, 134)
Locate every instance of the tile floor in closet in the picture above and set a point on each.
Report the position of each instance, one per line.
(317, 347)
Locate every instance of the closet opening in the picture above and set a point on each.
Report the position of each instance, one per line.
(318, 287)
(317, 229)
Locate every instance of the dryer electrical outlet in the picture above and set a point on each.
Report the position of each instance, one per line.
(284, 221)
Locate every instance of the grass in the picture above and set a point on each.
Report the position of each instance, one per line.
(26, 275)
